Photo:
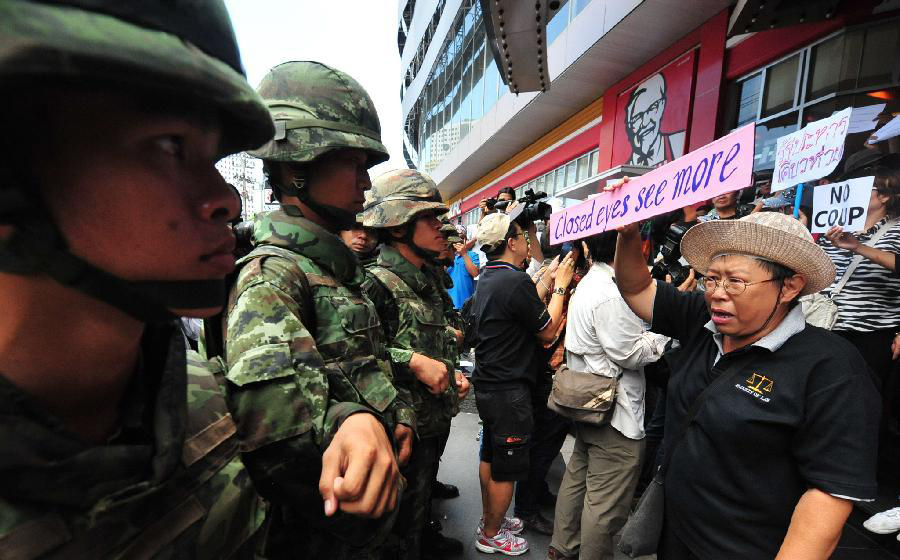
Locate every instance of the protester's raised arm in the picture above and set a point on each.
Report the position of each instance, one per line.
(632, 276)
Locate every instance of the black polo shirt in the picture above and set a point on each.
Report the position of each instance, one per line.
(804, 415)
(508, 315)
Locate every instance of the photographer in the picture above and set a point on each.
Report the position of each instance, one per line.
(785, 439)
(509, 316)
(487, 205)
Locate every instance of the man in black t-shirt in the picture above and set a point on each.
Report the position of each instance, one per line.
(787, 439)
(510, 319)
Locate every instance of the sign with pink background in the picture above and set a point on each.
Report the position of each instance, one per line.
(721, 166)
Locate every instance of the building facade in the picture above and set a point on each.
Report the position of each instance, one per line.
(246, 174)
(634, 83)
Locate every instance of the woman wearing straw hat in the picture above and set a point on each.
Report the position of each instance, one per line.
(784, 436)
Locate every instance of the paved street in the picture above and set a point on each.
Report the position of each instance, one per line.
(459, 516)
(459, 466)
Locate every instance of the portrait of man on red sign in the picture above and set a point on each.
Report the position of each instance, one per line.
(652, 117)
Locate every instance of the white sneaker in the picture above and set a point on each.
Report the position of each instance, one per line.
(885, 522)
(512, 524)
(503, 542)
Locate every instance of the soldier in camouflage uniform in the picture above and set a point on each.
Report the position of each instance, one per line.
(309, 382)
(114, 222)
(404, 205)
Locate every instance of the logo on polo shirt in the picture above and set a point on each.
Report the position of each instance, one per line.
(757, 386)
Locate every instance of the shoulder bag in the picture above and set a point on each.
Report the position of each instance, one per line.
(642, 531)
(819, 309)
(583, 397)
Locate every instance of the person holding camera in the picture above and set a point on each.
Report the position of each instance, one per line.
(771, 424)
(509, 316)
(487, 205)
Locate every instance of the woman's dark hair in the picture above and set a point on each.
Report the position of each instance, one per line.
(549, 251)
(779, 273)
(508, 190)
(887, 183)
(498, 251)
(602, 246)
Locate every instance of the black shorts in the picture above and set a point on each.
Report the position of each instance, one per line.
(508, 422)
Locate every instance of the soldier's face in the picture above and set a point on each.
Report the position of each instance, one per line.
(360, 240)
(133, 188)
(341, 179)
(427, 233)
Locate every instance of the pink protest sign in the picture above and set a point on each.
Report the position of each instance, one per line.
(721, 166)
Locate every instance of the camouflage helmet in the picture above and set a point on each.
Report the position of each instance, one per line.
(450, 231)
(398, 196)
(318, 109)
(175, 49)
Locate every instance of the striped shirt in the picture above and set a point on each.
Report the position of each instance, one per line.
(871, 298)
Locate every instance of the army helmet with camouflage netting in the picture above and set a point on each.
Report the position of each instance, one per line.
(318, 109)
(398, 196)
(450, 231)
(174, 51)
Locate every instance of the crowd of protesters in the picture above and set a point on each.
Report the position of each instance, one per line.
(311, 417)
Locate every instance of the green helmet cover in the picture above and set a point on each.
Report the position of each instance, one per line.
(397, 197)
(318, 109)
(175, 49)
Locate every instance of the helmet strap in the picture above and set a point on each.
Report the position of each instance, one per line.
(36, 247)
(407, 239)
(338, 217)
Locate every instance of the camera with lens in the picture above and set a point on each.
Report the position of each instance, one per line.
(533, 208)
(670, 263)
(491, 203)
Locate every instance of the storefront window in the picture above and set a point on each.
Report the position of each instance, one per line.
(583, 172)
(834, 64)
(781, 86)
(767, 134)
(879, 55)
(852, 68)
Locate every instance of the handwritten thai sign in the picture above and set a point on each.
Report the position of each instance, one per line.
(812, 152)
(722, 166)
(842, 204)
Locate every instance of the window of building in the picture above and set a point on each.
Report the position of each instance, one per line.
(558, 22)
(854, 67)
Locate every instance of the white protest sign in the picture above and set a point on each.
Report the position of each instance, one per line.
(812, 152)
(890, 130)
(842, 204)
(863, 118)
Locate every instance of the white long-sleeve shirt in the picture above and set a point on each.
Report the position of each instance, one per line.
(604, 337)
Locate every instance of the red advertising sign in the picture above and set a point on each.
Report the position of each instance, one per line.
(651, 118)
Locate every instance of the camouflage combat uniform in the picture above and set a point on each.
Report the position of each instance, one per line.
(303, 343)
(411, 308)
(169, 483)
(305, 351)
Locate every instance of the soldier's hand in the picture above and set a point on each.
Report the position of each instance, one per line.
(462, 385)
(433, 373)
(359, 472)
(403, 437)
(459, 336)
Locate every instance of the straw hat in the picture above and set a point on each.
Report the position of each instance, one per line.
(768, 235)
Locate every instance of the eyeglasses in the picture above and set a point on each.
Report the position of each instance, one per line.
(732, 286)
(525, 233)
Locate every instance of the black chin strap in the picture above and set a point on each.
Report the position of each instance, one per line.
(407, 239)
(339, 217)
(35, 247)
